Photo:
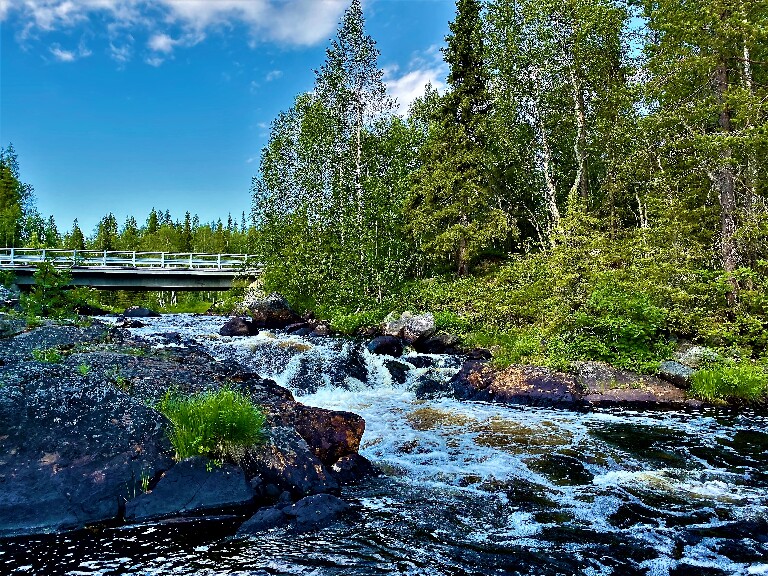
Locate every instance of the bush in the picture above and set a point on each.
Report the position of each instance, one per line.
(742, 381)
(49, 296)
(47, 355)
(217, 424)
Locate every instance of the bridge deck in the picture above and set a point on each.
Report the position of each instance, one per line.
(116, 270)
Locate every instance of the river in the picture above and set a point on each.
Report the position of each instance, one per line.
(468, 488)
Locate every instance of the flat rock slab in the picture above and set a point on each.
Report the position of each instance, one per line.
(192, 486)
(592, 384)
(310, 513)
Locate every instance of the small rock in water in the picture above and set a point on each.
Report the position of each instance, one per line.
(352, 468)
(410, 327)
(139, 312)
(272, 312)
(236, 326)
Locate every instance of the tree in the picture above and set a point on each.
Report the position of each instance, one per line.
(75, 240)
(15, 199)
(106, 233)
(708, 95)
(453, 211)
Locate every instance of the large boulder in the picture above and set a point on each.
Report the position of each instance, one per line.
(410, 327)
(193, 486)
(386, 345)
(237, 326)
(272, 312)
(677, 373)
(697, 356)
(286, 461)
(330, 434)
(438, 344)
(73, 451)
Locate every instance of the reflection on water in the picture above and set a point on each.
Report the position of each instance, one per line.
(470, 488)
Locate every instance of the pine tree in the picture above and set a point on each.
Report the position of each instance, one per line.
(454, 212)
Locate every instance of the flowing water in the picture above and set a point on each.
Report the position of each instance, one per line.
(468, 488)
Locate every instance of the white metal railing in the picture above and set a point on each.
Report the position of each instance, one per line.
(10, 257)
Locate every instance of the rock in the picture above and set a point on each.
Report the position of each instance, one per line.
(330, 434)
(677, 373)
(531, 385)
(286, 460)
(310, 513)
(387, 345)
(193, 486)
(420, 361)
(236, 326)
(88, 310)
(123, 322)
(398, 371)
(317, 511)
(72, 454)
(292, 328)
(10, 326)
(438, 344)
(139, 312)
(697, 356)
(479, 354)
(564, 470)
(409, 327)
(272, 312)
(430, 386)
(264, 519)
(321, 330)
(603, 385)
(352, 468)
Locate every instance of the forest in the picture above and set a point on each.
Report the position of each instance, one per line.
(591, 184)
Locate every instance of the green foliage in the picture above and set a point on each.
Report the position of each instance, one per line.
(217, 424)
(83, 369)
(47, 355)
(744, 381)
(49, 297)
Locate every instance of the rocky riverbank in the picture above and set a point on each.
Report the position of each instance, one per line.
(82, 444)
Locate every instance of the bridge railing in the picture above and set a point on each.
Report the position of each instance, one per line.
(123, 259)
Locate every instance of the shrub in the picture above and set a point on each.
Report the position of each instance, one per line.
(47, 355)
(49, 296)
(743, 381)
(217, 424)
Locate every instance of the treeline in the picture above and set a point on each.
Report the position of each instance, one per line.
(22, 226)
(609, 116)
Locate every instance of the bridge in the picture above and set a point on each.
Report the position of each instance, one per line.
(126, 270)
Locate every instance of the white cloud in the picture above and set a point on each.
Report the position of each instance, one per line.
(291, 22)
(62, 55)
(425, 68)
(274, 75)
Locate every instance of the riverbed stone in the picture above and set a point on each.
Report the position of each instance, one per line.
(193, 486)
(272, 312)
(386, 345)
(352, 468)
(408, 326)
(330, 434)
(237, 326)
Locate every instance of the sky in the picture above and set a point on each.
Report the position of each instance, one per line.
(124, 105)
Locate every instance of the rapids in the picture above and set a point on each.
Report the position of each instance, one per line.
(467, 488)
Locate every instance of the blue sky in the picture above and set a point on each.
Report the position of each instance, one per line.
(124, 105)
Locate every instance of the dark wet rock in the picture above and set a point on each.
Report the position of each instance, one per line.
(330, 434)
(11, 326)
(431, 385)
(481, 354)
(73, 451)
(308, 514)
(340, 369)
(398, 371)
(420, 361)
(386, 345)
(20, 347)
(292, 328)
(438, 344)
(530, 385)
(193, 486)
(139, 312)
(287, 461)
(352, 468)
(562, 469)
(272, 312)
(236, 326)
(306, 331)
(677, 373)
(123, 322)
(410, 327)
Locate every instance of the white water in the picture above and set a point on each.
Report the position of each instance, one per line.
(674, 466)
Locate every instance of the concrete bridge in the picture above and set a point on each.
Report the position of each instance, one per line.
(124, 270)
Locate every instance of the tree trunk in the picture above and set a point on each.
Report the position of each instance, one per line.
(725, 184)
(462, 266)
(550, 191)
(580, 182)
